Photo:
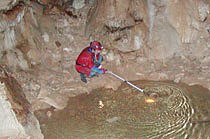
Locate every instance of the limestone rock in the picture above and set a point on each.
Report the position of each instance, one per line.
(9, 40)
(204, 10)
(45, 37)
(116, 15)
(165, 41)
(56, 100)
(178, 77)
(16, 60)
(139, 11)
(32, 129)
(34, 56)
(135, 39)
(112, 14)
(185, 21)
(91, 2)
(158, 76)
(106, 81)
(163, 38)
(16, 119)
(77, 4)
(111, 56)
(9, 123)
(7, 4)
(113, 119)
(44, 2)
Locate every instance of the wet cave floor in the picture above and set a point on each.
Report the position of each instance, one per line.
(179, 111)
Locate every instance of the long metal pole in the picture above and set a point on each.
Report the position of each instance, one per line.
(139, 89)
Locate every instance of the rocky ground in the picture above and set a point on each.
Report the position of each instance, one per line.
(143, 40)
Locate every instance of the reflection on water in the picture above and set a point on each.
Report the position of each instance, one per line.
(179, 111)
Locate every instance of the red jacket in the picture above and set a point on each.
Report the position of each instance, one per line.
(84, 62)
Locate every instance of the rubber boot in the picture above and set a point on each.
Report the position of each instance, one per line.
(83, 77)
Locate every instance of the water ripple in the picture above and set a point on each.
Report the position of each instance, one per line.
(173, 120)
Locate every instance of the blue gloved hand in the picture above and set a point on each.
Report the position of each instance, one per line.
(97, 70)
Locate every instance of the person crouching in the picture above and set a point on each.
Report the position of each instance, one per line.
(88, 63)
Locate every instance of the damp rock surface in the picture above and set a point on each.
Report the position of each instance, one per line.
(104, 113)
(16, 118)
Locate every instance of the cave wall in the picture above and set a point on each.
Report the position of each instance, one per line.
(17, 119)
(169, 29)
(160, 32)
